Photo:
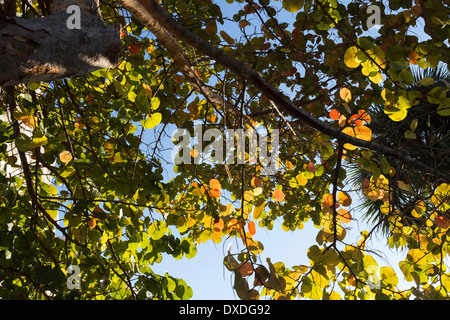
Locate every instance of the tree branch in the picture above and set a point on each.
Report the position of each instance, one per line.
(179, 56)
(150, 10)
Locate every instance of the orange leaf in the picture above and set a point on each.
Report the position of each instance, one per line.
(194, 153)
(29, 121)
(233, 224)
(416, 10)
(359, 118)
(278, 195)
(252, 228)
(178, 79)
(334, 114)
(344, 199)
(65, 157)
(366, 183)
(344, 215)
(413, 56)
(92, 223)
(215, 184)
(90, 99)
(265, 46)
(226, 37)
(215, 193)
(218, 225)
(355, 119)
(256, 182)
(364, 115)
(328, 199)
(98, 209)
(442, 222)
(148, 90)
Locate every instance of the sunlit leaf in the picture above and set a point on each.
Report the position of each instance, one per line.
(344, 215)
(152, 120)
(65, 157)
(344, 198)
(334, 114)
(251, 227)
(278, 195)
(350, 58)
(345, 95)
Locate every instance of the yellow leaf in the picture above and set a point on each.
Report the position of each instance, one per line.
(345, 95)
(376, 78)
(419, 209)
(350, 58)
(441, 196)
(363, 133)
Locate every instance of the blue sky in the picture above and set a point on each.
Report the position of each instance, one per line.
(208, 277)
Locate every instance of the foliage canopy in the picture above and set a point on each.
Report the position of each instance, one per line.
(86, 185)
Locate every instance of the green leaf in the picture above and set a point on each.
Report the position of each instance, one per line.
(414, 124)
(444, 108)
(292, 5)
(410, 135)
(157, 230)
(406, 77)
(240, 286)
(428, 81)
(189, 248)
(47, 275)
(34, 86)
(384, 165)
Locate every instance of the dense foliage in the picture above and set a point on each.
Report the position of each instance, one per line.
(87, 182)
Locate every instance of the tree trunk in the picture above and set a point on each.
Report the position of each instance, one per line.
(49, 48)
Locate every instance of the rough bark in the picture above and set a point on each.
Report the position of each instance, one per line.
(145, 10)
(45, 49)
